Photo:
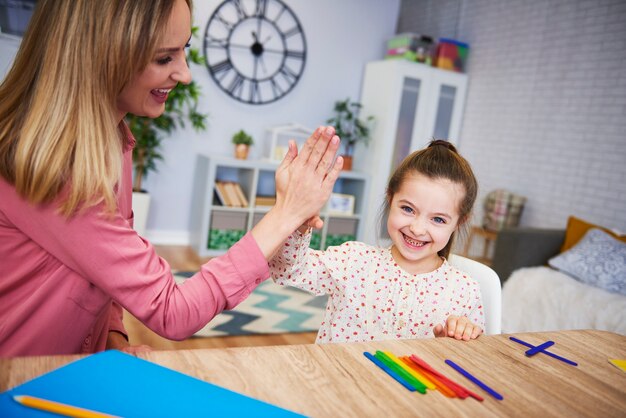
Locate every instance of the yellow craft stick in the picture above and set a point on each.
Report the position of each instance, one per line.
(58, 408)
(412, 371)
(620, 364)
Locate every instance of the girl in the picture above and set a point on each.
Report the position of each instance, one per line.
(69, 257)
(408, 290)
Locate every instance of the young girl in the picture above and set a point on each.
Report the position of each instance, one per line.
(408, 290)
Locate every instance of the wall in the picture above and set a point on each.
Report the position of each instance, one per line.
(545, 115)
(341, 37)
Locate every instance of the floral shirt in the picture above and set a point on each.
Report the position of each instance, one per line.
(370, 296)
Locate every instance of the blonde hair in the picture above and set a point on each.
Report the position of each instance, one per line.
(59, 133)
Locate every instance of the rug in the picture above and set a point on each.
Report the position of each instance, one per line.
(270, 309)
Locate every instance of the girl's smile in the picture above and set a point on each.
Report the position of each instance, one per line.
(423, 215)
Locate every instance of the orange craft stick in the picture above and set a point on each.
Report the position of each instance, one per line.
(441, 387)
(461, 391)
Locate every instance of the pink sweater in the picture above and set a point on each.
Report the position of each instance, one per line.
(60, 278)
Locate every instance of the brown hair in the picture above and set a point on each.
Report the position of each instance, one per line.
(440, 160)
(59, 131)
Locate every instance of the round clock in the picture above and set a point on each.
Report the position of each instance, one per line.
(255, 50)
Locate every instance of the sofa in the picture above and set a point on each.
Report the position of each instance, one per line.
(562, 279)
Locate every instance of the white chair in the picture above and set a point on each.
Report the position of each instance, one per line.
(489, 288)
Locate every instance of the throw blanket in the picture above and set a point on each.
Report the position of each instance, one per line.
(543, 299)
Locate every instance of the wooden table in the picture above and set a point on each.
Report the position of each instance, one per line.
(336, 380)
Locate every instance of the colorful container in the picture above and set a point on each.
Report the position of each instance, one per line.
(451, 55)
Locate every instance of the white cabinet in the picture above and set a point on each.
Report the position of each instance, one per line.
(215, 227)
(412, 103)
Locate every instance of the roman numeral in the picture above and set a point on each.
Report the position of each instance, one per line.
(236, 86)
(292, 31)
(294, 54)
(240, 11)
(221, 68)
(255, 94)
(261, 8)
(225, 22)
(288, 74)
(216, 42)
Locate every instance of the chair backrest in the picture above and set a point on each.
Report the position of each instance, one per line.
(489, 288)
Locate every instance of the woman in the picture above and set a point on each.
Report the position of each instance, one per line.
(69, 258)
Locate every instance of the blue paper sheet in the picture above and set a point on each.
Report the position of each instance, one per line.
(120, 384)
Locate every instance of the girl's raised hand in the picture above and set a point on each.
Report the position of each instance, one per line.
(458, 327)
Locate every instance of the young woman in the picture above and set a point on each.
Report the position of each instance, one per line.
(69, 258)
(408, 290)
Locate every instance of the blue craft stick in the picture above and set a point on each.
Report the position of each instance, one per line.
(389, 371)
(473, 379)
(563, 359)
(539, 348)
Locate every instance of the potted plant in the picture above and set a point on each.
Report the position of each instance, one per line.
(350, 128)
(180, 108)
(242, 142)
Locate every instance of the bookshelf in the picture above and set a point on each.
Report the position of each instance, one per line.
(215, 226)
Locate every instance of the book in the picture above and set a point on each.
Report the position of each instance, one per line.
(241, 195)
(231, 194)
(264, 200)
(221, 194)
(116, 383)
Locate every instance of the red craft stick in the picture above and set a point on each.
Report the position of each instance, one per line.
(461, 391)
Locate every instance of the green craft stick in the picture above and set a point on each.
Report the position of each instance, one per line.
(419, 386)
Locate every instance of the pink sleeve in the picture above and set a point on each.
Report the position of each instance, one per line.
(108, 253)
(115, 320)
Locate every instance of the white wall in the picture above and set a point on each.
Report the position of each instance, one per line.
(8, 48)
(545, 115)
(341, 37)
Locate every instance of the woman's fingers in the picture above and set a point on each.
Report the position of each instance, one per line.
(311, 143)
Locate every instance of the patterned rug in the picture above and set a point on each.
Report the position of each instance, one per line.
(270, 309)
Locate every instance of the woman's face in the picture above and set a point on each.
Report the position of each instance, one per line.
(146, 94)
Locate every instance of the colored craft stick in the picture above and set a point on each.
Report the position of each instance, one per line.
(563, 359)
(416, 374)
(58, 408)
(539, 348)
(389, 371)
(474, 379)
(419, 386)
(461, 391)
(440, 386)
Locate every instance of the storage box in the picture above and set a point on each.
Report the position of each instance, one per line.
(451, 55)
(412, 47)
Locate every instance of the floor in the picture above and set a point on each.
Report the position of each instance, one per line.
(183, 258)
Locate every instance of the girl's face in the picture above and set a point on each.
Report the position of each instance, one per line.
(146, 94)
(423, 215)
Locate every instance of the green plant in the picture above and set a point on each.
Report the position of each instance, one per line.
(348, 126)
(181, 106)
(242, 137)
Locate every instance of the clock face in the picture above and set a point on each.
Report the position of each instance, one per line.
(255, 50)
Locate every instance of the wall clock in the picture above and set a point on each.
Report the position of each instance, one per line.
(255, 50)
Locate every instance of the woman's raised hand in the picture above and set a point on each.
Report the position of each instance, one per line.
(304, 181)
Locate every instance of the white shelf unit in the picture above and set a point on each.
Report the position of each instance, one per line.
(215, 227)
(412, 103)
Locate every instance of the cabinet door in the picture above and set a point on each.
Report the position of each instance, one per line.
(412, 104)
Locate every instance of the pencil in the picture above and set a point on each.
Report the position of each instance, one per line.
(474, 379)
(57, 407)
(563, 359)
(388, 371)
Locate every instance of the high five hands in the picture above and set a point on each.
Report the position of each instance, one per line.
(306, 179)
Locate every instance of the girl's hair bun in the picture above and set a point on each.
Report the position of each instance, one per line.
(442, 143)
